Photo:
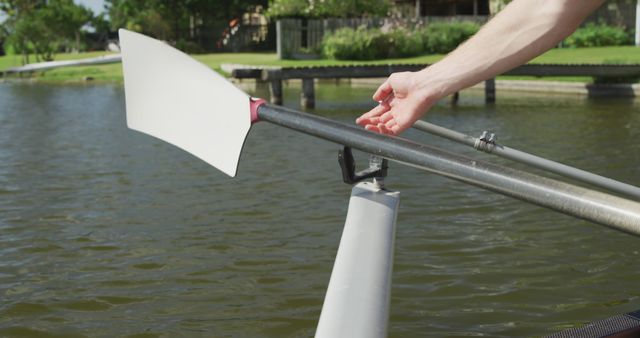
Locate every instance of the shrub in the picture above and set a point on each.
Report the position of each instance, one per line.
(327, 8)
(370, 44)
(443, 37)
(597, 35)
(355, 44)
(189, 46)
(403, 43)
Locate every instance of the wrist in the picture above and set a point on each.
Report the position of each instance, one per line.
(428, 86)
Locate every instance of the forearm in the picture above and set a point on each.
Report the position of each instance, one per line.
(522, 31)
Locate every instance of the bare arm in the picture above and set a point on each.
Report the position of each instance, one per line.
(520, 32)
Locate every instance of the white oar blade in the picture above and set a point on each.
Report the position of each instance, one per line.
(177, 99)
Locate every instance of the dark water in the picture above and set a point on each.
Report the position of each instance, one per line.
(107, 232)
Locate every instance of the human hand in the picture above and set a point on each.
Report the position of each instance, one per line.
(401, 103)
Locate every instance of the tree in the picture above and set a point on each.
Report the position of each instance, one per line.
(175, 21)
(68, 19)
(43, 27)
(328, 8)
(141, 16)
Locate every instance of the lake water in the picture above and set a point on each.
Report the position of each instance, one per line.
(107, 232)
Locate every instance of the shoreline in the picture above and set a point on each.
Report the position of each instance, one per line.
(622, 90)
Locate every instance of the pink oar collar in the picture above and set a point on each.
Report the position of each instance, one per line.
(254, 103)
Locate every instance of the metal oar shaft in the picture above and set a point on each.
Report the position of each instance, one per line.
(594, 206)
(532, 160)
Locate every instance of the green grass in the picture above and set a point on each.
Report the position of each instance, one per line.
(9, 61)
(596, 55)
(270, 59)
(113, 72)
(99, 73)
(583, 79)
(103, 73)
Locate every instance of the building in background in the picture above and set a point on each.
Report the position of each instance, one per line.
(621, 13)
(422, 8)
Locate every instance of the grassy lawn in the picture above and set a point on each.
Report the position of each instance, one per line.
(269, 59)
(606, 55)
(113, 72)
(104, 73)
(9, 61)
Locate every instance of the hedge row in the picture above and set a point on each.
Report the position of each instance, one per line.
(369, 44)
(441, 38)
(599, 35)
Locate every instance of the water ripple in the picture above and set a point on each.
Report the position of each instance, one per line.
(108, 232)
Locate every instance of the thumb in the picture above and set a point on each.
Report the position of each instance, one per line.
(383, 91)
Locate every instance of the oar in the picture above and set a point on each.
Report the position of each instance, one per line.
(486, 143)
(175, 98)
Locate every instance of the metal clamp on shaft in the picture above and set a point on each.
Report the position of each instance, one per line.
(486, 142)
(377, 167)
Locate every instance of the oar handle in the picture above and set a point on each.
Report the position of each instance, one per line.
(598, 207)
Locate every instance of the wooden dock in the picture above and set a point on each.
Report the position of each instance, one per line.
(600, 72)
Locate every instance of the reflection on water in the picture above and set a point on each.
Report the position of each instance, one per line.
(108, 232)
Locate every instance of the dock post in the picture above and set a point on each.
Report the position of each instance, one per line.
(275, 91)
(490, 91)
(455, 97)
(274, 78)
(308, 94)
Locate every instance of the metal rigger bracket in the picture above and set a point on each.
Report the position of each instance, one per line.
(486, 142)
(377, 168)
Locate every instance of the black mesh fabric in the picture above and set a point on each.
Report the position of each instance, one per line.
(634, 314)
(603, 328)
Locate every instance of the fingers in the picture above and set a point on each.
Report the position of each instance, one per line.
(386, 117)
(397, 108)
(379, 119)
(370, 117)
(384, 130)
(386, 124)
(372, 127)
(380, 124)
(391, 127)
(379, 128)
(395, 130)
